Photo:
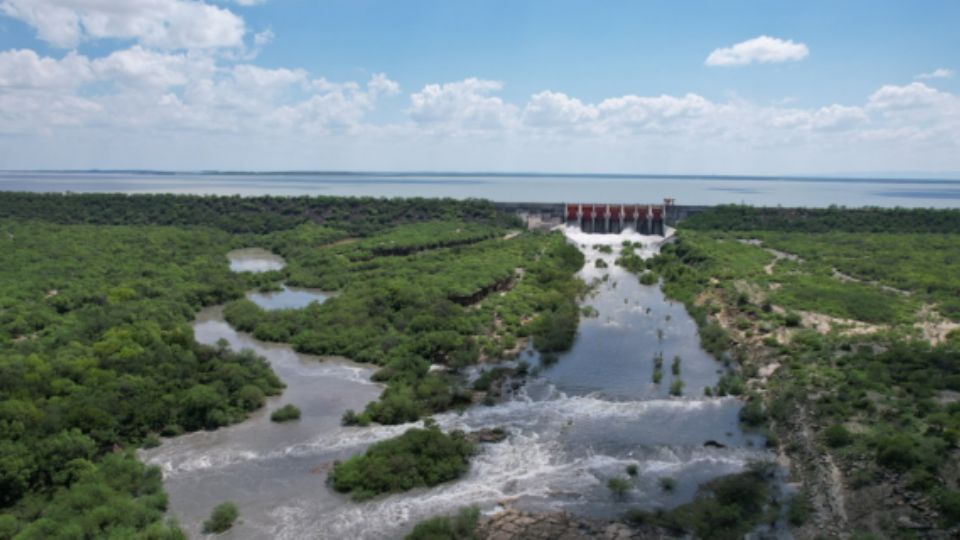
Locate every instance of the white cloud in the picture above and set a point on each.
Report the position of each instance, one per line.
(939, 73)
(148, 90)
(23, 68)
(551, 109)
(263, 38)
(911, 96)
(165, 24)
(762, 50)
(380, 85)
(654, 112)
(139, 67)
(831, 118)
(131, 98)
(465, 104)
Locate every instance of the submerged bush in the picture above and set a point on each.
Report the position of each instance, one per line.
(286, 413)
(667, 483)
(222, 518)
(619, 487)
(463, 526)
(649, 278)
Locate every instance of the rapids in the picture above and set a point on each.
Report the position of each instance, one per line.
(571, 427)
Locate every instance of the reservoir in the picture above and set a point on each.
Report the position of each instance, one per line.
(571, 427)
(688, 190)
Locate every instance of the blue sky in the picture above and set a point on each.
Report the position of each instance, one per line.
(813, 87)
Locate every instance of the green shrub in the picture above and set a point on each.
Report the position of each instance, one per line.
(649, 278)
(752, 413)
(286, 413)
(632, 469)
(8, 526)
(898, 452)
(463, 526)
(222, 518)
(731, 384)
(948, 501)
(921, 480)
(725, 508)
(150, 441)
(837, 436)
(351, 418)
(676, 387)
(667, 483)
(799, 509)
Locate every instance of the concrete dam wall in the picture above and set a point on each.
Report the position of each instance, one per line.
(602, 218)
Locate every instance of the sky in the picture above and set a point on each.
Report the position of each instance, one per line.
(680, 87)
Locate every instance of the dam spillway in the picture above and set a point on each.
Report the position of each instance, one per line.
(604, 218)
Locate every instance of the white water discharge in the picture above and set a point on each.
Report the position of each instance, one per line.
(571, 428)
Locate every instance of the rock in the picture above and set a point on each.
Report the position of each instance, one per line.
(487, 435)
(714, 444)
(907, 523)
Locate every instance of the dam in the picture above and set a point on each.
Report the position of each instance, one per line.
(603, 217)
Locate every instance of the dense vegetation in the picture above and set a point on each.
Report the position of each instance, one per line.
(458, 293)
(874, 381)
(418, 458)
(262, 214)
(821, 220)
(97, 356)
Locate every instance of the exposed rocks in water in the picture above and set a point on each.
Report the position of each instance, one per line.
(515, 525)
(487, 435)
(713, 444)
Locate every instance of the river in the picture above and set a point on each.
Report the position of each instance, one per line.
(573, 426)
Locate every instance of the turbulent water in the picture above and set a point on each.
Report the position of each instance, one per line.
(573, 426)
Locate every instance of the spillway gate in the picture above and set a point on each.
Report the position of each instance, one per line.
(615, 218)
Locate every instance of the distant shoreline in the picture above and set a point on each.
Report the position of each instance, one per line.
(879, 178)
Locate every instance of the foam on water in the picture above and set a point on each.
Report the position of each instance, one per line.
(530, 468)
(649, 241)
(519, 415)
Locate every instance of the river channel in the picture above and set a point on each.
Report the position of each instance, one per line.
(571, 427)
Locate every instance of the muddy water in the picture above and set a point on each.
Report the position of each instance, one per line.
(572, 427)
(288, 298)
(254, 260)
